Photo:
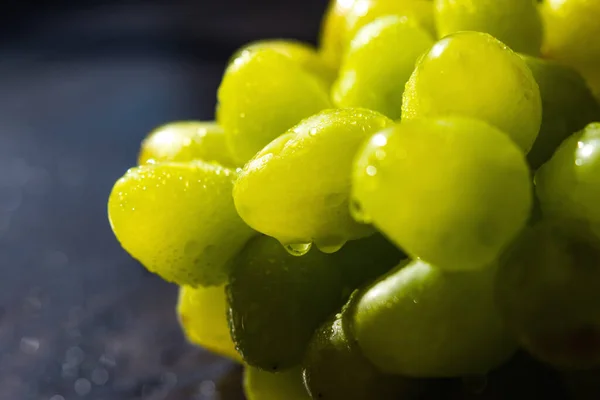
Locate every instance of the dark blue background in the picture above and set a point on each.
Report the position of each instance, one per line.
(81, 83)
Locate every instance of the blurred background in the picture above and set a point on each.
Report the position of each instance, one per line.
(81, 83)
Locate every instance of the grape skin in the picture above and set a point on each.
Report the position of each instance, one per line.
(452, 191)
(474, 75)
(263, 94)
(373, 72)
(297, 188)
(422, 322)
(179, 221)
(516, 23)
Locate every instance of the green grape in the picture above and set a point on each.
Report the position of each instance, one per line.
(179, 221)
(363, 12)
(277, 301)
(263, 94)
(297, 188)
(514, 22)
(303, 54)
(202, 315)
(335, 368)
(345, 18)
(451, 191)
(361, 261)
(331, 46)
(374, 72)
(567, 104)
(547, 291)
(186, 141)
(263, 385)
(572, 31)
(475, 75)
(568, 185)
(423, 322)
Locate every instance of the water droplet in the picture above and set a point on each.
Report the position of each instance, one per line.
(298, 249)
(330, 247)
(29, 345)
(313, 131)
(207, 389)
(82, 386)
(107, 360)
(371, 170)
(74, 356)
(100, 376)
(358, 213)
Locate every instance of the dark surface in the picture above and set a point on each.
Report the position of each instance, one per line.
(78, 90)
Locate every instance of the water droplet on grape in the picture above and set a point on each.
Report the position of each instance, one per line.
(331, 247)
(298, 249)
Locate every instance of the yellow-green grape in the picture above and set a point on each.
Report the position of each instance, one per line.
(378, 63)
(567, 107)
(202, 314)
(423, 322)
(517, 23)
(346, 17)
(335, 368)
(179, 221)
(186, 141)
(297, 188)
(263, 94)
(331, 46)
(548, 289)
(263, 385)
(475, 75)
(568, 185)
(452, 191)
(277, 300)
(303, 54)
(366, 11)
(572, 31)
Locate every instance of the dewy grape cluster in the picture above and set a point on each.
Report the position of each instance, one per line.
(411, 207)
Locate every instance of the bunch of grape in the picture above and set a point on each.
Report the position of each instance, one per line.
(413, 204)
